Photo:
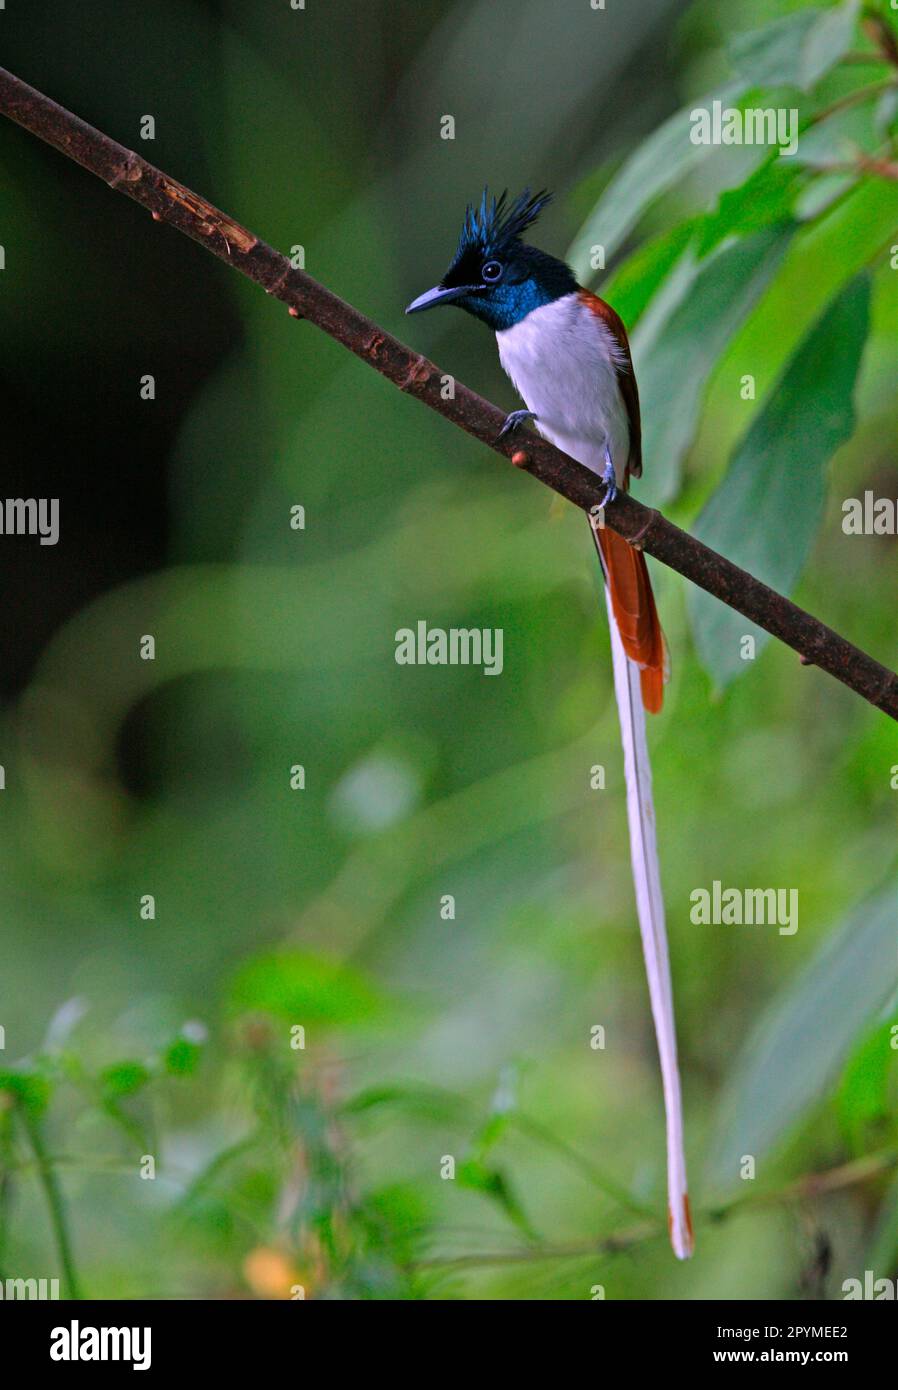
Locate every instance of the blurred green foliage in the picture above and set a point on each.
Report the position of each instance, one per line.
(313, 1163)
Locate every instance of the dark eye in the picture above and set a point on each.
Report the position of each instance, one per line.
(491, 272)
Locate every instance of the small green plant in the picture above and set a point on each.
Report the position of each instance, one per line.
(28, 1094)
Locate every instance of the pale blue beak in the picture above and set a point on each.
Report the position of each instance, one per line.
(439, 295)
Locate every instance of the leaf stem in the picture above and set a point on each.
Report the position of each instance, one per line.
(55, 1205)
(880, 32)
(855, 98)
(614, 1190)
(806, 1187)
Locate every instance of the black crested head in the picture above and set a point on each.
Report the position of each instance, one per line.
(494, 274)
(496, 227)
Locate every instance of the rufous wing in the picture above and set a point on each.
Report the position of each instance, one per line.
(627, 574)
(626, 377)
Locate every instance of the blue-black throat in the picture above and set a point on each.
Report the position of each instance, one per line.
(494, 275)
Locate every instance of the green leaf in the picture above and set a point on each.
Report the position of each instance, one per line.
(304, 989)
(765, 199)
(182, 1057)
(396, 1218)
(636, 280)
(821, 260)
(862, 1099)
(123, 1079)
(886, 113)
(199, 1186)
(818, 196)
(660, 162)
(29, 1090)
(795, 51)
(673, 372)
(424, 1102)
(491, 1183)
(795, 1051)
(840, 138)
(491, 1131)
(766, 512)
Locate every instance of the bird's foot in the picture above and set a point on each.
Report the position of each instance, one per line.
(609, 478)
(514, 421)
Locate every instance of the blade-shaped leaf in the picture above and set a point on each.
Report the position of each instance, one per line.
(841, 138)
(795, 51)
(765, 199)
(657, 164)
(863, 1098)
(886, 111)
(765, 514)
(635, 281)
(792, 52)
(492, 1183)
(798, 1046)
(673, 370)
(823, 257)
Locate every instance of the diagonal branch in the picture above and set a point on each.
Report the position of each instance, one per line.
(169, 201)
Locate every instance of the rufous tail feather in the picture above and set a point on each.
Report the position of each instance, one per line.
(633, 604)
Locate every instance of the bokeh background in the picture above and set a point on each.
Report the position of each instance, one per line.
(425, 1038)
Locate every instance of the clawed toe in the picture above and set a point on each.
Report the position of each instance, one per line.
(514, 421)
(610, 480)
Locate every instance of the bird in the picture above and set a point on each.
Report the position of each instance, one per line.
(568, 356)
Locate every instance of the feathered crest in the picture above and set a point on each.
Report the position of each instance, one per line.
(496, 222)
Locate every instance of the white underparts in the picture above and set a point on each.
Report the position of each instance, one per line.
(564, 362)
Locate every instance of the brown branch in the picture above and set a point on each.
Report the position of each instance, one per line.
(169, 201)
(880, 32)
(853, 98)
(862, 164)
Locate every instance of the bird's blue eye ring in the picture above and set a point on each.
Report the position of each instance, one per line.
(491, 272)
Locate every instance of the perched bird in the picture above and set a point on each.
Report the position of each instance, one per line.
(566, 351)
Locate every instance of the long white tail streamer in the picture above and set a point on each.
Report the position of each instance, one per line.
(650, 910)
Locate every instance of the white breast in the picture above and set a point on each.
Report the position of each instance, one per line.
(563, 362)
